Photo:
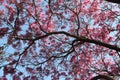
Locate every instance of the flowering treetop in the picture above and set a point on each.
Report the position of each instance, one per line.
(70, 39)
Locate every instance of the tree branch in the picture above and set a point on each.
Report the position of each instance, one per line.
(20, 55)
(102, 77)
(114, 1)
(80, 38)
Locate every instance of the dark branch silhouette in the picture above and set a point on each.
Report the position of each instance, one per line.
(102, 77)
(114, 1)
(80, 38)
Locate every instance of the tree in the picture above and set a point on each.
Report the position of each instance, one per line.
(60, 39)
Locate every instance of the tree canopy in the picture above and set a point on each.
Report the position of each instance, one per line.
(59, 39)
